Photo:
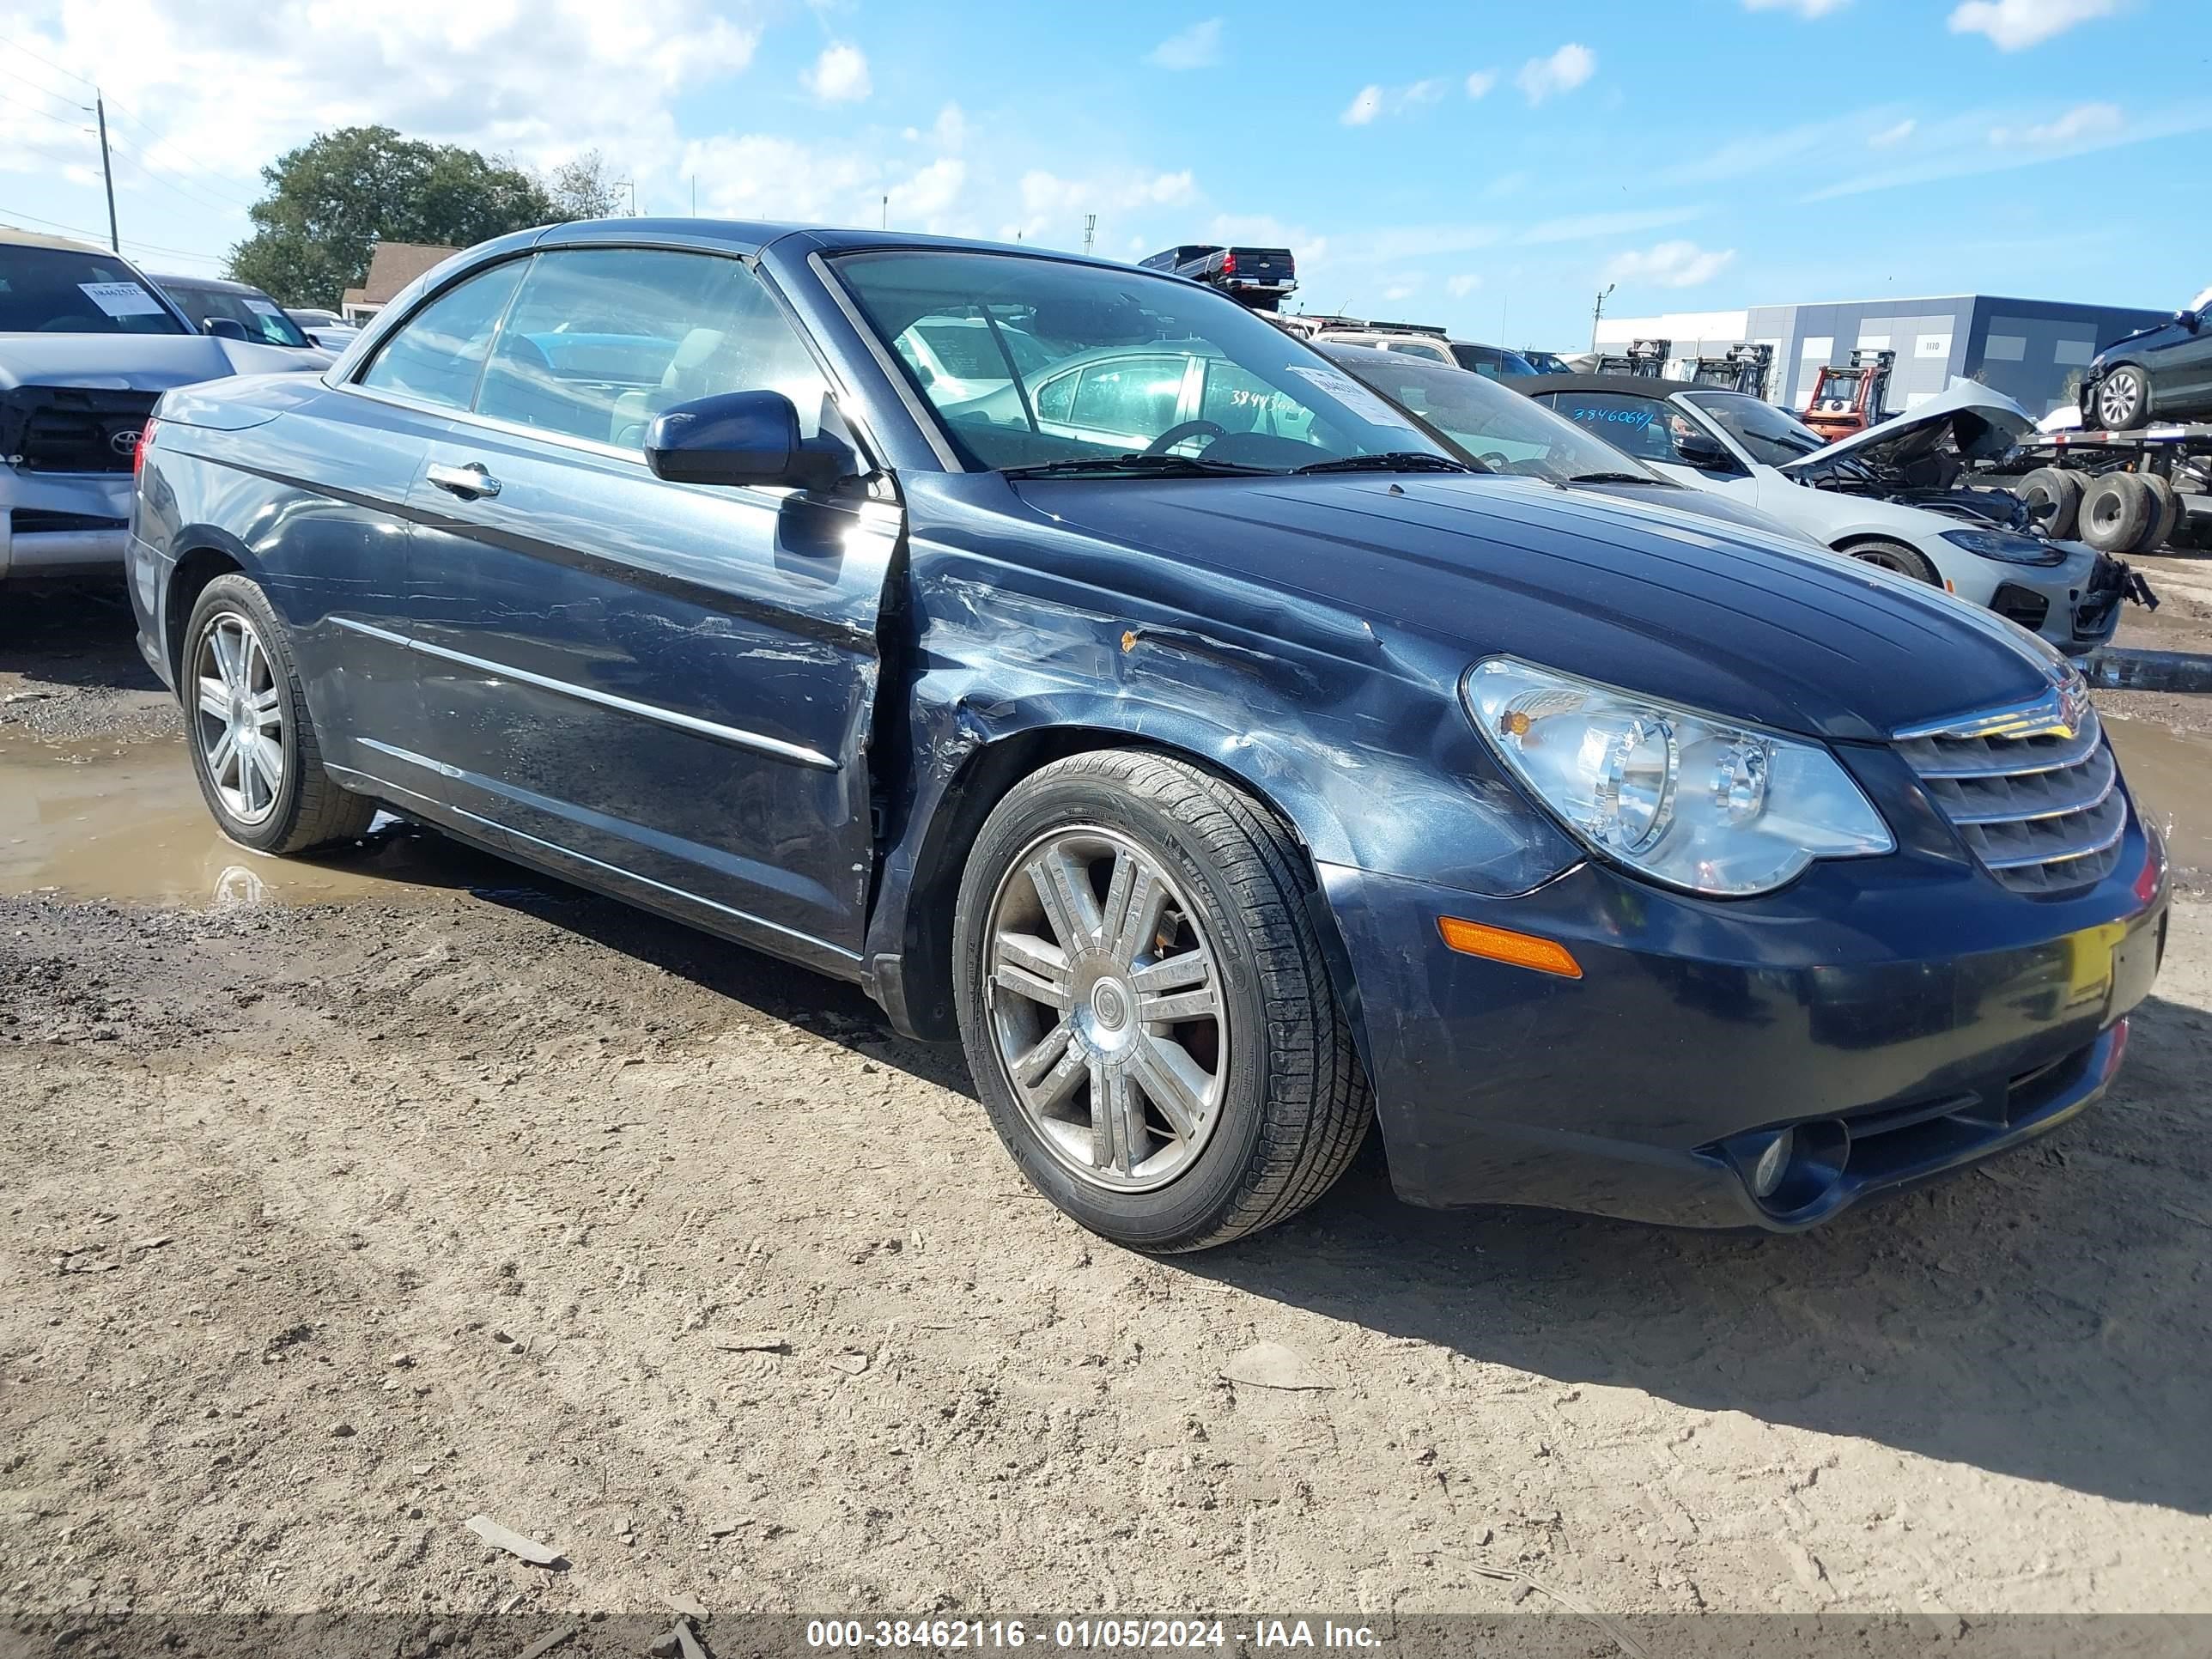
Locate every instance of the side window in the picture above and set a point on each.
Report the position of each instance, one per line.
(1136, 395)
(1056, 397)
(1640, 426)
(438, 353)
(600, 340)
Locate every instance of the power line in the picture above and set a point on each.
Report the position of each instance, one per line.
(12, 214)
(61, 120)
(204, 173)
(190, 192)
(46, 91)
(48, 62)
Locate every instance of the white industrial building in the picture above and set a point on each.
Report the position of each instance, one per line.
(2033, 351)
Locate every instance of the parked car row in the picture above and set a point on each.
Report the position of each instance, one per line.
(1232, 744)
(87, 343)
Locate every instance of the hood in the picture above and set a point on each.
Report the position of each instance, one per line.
(138, 363)
(1780, 635)
(1983, 423)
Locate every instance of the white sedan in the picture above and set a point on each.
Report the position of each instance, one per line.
(1891, 495)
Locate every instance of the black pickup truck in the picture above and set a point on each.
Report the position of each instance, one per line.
(1257, 277)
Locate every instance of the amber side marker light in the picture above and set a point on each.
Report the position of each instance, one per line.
(1503, 945)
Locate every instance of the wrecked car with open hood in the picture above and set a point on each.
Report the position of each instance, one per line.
(1224, 790)
(1896, 495)
(87, 345)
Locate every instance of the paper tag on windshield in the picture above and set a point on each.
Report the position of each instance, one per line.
(260, 307)
(122, 299)
(1354, 397)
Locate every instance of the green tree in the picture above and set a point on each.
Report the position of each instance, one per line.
(332, 199)
(585, 188)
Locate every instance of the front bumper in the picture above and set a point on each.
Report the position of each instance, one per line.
(62, 524)
(1935, 1017)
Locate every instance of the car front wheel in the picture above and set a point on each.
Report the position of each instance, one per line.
(1897, 556)
(252, 746)
(1145, 1006)
(2123, 400)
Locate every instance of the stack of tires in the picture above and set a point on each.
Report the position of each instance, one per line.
(2120, 512)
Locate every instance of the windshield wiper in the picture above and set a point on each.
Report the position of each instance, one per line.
(1616, 478)
(1140, 467)
(1396, 460)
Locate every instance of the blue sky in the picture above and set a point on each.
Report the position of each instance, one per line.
(1485, 166)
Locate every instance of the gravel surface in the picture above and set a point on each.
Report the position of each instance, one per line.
(330, 1227)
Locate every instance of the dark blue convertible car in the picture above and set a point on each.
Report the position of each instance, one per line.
(1158, 711)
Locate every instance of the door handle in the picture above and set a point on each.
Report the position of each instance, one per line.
(471, 480)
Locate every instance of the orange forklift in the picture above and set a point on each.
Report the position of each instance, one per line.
(1848, 400)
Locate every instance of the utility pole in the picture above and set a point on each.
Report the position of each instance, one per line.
(887, 213)
(106, 170)
(1598, 314)
(629, 185)
(695, 195)
(1090, 232)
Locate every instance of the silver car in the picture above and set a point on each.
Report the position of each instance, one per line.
(87, 344)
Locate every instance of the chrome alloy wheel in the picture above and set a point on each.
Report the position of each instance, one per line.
(237, 716)
(1107, 1006)
(2117, 398)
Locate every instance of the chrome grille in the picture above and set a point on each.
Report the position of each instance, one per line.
(2042, 809)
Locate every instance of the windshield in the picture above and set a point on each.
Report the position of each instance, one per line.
(1502, 429)
(1092, 363)
(58, 290)
(261, 316)
(1773, 438)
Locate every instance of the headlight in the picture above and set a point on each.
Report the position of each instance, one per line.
(2005, 544)
(1685, 799)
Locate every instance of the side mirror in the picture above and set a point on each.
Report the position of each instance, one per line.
(742, 438)
(1696, 450)
(222, 328)
(2192, 320)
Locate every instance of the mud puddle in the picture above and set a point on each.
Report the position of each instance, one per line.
(118, 820)
(2170, 773)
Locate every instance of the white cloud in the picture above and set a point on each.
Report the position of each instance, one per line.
(1198, 46)
(1372, 101)
(2084, 122)
(1460, 286)
(2015, 25)
(1670, 264)
(949, 131)
(840, 75)
(1480, 83)
(211, 93)
(1404, 290)
(1890, 136)
(1563, 71)
(1803, 7)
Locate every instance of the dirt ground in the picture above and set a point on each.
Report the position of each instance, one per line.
(343, 1204)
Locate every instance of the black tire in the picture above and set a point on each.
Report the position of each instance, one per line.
(2117, 513)
(1896, 556)
(1295, 1105)
(308, 809)
(2121, 399)
(2062, 490)
(2166, 520)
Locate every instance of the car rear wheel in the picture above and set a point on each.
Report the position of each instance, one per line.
(2168, 517)
(1896, 556)
(2062, 491)
(253, 746)
(2117, 513)
(2123, 400)
(1145, 1006)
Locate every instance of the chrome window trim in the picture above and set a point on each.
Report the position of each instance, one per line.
(864, 438)
(796, 753)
